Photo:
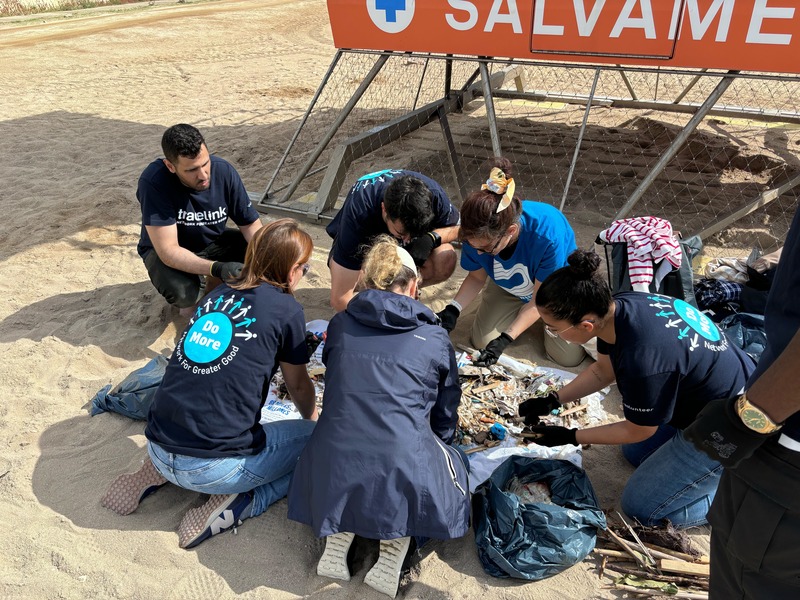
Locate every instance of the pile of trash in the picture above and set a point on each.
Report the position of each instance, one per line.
(491, 397)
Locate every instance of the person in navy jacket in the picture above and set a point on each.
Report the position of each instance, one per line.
(379, 463)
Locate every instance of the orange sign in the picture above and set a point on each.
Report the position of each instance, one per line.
(746, 35)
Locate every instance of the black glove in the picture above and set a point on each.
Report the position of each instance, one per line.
(554, 436)
(448, 317)
(420, 248)
(226, 270)
(719, 432)
(312, 342)
(493, 350)
(533, 408)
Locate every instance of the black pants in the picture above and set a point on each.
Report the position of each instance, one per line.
(755, 521)
(185, 289)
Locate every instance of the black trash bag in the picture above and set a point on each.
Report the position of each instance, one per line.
(535, 541)
(746, 331)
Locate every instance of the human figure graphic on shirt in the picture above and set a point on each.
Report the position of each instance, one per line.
(669, 360)
(222, 366)
(410, 207)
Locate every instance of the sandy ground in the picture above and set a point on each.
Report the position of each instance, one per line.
(84, 102)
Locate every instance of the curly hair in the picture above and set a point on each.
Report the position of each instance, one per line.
(382, 268)
(181, 140)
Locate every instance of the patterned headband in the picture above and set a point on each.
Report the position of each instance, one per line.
(498, 183)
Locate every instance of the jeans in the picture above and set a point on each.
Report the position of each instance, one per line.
(267, 473)
(673, 480)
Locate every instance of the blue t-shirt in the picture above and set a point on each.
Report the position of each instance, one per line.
(670, 360)
(360, 219)
(209, 403)
(545, 241)
(782, 313)
(200, 216)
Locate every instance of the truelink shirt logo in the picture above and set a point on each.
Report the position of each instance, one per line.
(391, 16)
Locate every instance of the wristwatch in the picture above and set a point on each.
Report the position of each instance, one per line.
(754, 418)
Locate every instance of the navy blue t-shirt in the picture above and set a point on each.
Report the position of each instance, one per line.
(782, 314)
(200, 216)
(670, 360)
(360, 219)
(209, 403)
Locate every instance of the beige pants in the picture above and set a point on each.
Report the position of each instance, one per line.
(497, 311)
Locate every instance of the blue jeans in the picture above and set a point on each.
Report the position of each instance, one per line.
(267, 473)
(673, 480)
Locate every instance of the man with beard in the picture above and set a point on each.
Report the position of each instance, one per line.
(187, 198)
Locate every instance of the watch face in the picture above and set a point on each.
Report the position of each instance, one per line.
(754, 419)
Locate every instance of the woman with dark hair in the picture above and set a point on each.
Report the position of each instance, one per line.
(669, 360)
(515, 245)
(203, 428)
(379, 464)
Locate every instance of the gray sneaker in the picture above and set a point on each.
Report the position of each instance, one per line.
(385, 575)
(220, 513)
(333, 562)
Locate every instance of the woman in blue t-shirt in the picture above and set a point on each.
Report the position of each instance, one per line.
(668, 360)
(515, 245)
(203, 427)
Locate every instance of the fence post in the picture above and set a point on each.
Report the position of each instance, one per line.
(676, 144)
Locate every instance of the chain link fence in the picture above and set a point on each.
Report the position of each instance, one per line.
(732, 178)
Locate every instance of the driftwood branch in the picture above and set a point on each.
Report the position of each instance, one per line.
(669, 553)
(701, 583)
(645, 592)
(638, 557)
(683, 567)
(645, 551)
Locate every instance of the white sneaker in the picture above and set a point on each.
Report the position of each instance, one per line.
(385, 575)
(333, 562)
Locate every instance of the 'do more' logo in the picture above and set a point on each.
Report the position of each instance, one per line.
(391, 16)
(208, 338)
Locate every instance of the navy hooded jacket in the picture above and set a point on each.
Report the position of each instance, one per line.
(378, 463)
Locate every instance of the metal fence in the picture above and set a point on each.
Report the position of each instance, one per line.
(715, 153)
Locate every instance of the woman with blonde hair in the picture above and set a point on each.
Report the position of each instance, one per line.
(379, 463)
(203, 428)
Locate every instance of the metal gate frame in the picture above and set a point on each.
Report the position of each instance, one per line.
(486, 84)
